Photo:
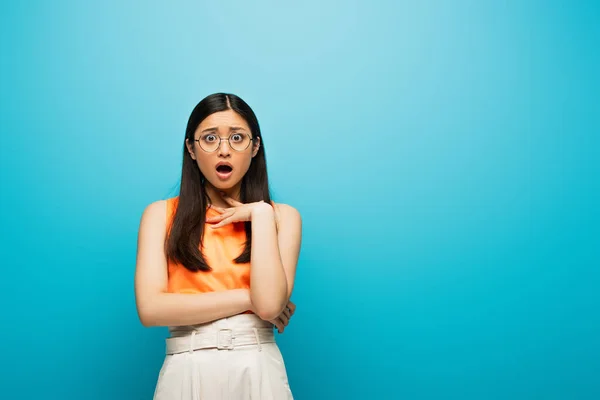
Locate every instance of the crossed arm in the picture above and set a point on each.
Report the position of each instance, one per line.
(275, 251)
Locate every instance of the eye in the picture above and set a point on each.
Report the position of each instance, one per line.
(209, 137)
(236, 137)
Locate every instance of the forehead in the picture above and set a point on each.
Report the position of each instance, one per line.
(223, 121)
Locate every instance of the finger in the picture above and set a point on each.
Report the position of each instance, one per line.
(292, 307)
(214, 218)
(223, 209)
(284, 319)
(287, 313)
(222, 223)
(278, 324)
(220, 217)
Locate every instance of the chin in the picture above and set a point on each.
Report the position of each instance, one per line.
(223, 185)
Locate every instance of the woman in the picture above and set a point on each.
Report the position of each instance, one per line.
(216, 264)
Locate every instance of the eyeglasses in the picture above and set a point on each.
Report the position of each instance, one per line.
(210, 142)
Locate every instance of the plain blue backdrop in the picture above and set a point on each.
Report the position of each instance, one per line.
(443, 155)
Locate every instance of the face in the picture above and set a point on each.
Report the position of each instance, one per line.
(224, 124)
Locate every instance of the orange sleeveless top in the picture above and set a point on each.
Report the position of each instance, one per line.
(220, 247)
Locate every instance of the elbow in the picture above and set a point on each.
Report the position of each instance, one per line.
(146, 322)
(150, 312)
(268, 313)
(146, 317)
(269, 306)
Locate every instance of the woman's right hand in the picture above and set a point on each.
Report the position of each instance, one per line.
(284, 318)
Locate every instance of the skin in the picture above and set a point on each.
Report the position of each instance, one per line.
(274, 252)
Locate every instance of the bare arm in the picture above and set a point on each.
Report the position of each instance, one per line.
(155, 306)
(274, 258)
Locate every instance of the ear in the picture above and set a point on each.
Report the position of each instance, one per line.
(255, 146)
(190, 149)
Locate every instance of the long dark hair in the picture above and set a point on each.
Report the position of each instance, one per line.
(187, 230)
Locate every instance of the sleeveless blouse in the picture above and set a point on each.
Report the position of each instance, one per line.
(220, 247)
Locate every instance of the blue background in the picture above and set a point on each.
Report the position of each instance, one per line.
(443, 155)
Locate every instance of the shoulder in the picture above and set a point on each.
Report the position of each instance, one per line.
(157, 207)
(286, 209)
(287, 214)
(155, 213)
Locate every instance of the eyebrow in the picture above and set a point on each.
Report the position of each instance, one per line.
(231, 128)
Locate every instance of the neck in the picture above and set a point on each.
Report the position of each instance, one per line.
(215, 197)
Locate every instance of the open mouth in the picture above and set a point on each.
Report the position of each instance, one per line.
(224, 171)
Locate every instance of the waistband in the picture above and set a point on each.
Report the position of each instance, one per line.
(223, 334)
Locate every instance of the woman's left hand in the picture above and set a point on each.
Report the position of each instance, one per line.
(238, 212)
(284, 318)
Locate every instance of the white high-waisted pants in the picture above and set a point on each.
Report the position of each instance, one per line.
(242, 368)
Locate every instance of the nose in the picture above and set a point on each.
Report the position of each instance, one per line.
(224, 148)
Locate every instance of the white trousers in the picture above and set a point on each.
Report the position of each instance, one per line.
(233, 358)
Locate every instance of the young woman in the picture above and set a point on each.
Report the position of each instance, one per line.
(216, 264)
